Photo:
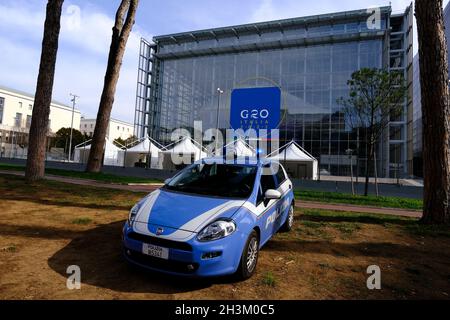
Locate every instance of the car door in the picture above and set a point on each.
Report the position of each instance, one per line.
(268, 208)
(283, 185)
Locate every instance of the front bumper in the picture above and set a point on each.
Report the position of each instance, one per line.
(186, 258)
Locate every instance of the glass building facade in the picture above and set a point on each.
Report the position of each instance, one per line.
(310, 59)
(417, 103)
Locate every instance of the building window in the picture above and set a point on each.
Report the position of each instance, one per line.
(118, 128)
(2, 106)
(85, 125)
(20, 105)
(18, 120)
(28, 124)
(92, 125)
(30, 107)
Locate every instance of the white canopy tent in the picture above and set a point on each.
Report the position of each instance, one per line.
(146, 148)
(113, 155)
(186, 147)
(240, 149)
(297, 161)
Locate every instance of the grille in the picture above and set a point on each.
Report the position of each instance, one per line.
(162, 264)
(160, 242)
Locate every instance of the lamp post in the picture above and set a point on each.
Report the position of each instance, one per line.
(219, 92)
(74, 101)
(14, 137)
(350, 156)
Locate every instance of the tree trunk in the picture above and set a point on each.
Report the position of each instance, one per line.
(120, 34)
(375, 172)
(39, 122)
(435, 111)
(369, 161)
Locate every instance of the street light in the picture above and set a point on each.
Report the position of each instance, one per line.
(350, 156)
(74, 101)
(219, 92)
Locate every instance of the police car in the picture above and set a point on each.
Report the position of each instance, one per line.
(210, 219)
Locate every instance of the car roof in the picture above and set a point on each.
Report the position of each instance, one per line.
(255, 161)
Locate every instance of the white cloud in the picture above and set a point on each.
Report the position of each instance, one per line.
(19, 65)
(272, 10)
(12, 17)
(82, 56)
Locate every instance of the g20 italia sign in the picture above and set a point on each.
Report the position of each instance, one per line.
(255, 108)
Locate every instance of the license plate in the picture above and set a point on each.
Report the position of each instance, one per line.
(155, 251)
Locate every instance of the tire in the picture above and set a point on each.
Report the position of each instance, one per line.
(247, 264)
(288, 224)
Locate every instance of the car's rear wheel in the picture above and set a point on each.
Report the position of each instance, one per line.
(288, 224)
(249, 257)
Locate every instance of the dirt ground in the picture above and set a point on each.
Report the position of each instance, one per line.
(46, 227)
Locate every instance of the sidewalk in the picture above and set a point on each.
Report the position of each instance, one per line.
(300, 204)
(92, 183)
(402, 182)
(355, 208)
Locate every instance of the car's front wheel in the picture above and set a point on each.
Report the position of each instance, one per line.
(287, 226)
(249, 257)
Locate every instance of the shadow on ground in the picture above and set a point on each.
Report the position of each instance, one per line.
(98, 253)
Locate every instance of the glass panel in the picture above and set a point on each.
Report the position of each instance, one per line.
(312, 79)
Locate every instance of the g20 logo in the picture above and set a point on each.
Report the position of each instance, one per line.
(254, 114)
(255, 108)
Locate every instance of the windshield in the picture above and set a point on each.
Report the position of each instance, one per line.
(221, 180)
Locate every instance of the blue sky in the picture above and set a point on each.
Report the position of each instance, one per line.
(86, 34)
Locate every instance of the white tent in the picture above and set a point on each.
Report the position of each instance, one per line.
(113, 155)
(185, 147)
(240, 149)
(297, 161)
(210, 149)
(140, 152)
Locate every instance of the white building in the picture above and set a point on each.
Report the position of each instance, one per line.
(16, 109)
(116, 128)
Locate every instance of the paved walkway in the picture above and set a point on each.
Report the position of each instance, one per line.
(300, 204)
(354, 208)
(93, 183)
(402, 182)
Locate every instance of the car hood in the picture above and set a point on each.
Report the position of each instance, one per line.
(183, 211)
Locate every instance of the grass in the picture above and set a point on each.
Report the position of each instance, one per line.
(65, 194)
(346, 228)
(313, 222)
(381, 201)
(269, 279)
(302, 195)
(313, 229)
(321, 217)
(102, 177)
(11, 249)
(331, 264)
(82, 221)
(429, 230)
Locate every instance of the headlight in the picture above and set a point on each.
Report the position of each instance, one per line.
(217, 230)
(133, 213)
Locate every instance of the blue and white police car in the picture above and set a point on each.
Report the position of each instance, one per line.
(210, 219)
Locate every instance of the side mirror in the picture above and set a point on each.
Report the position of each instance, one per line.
(167, 181)
(272, 194)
